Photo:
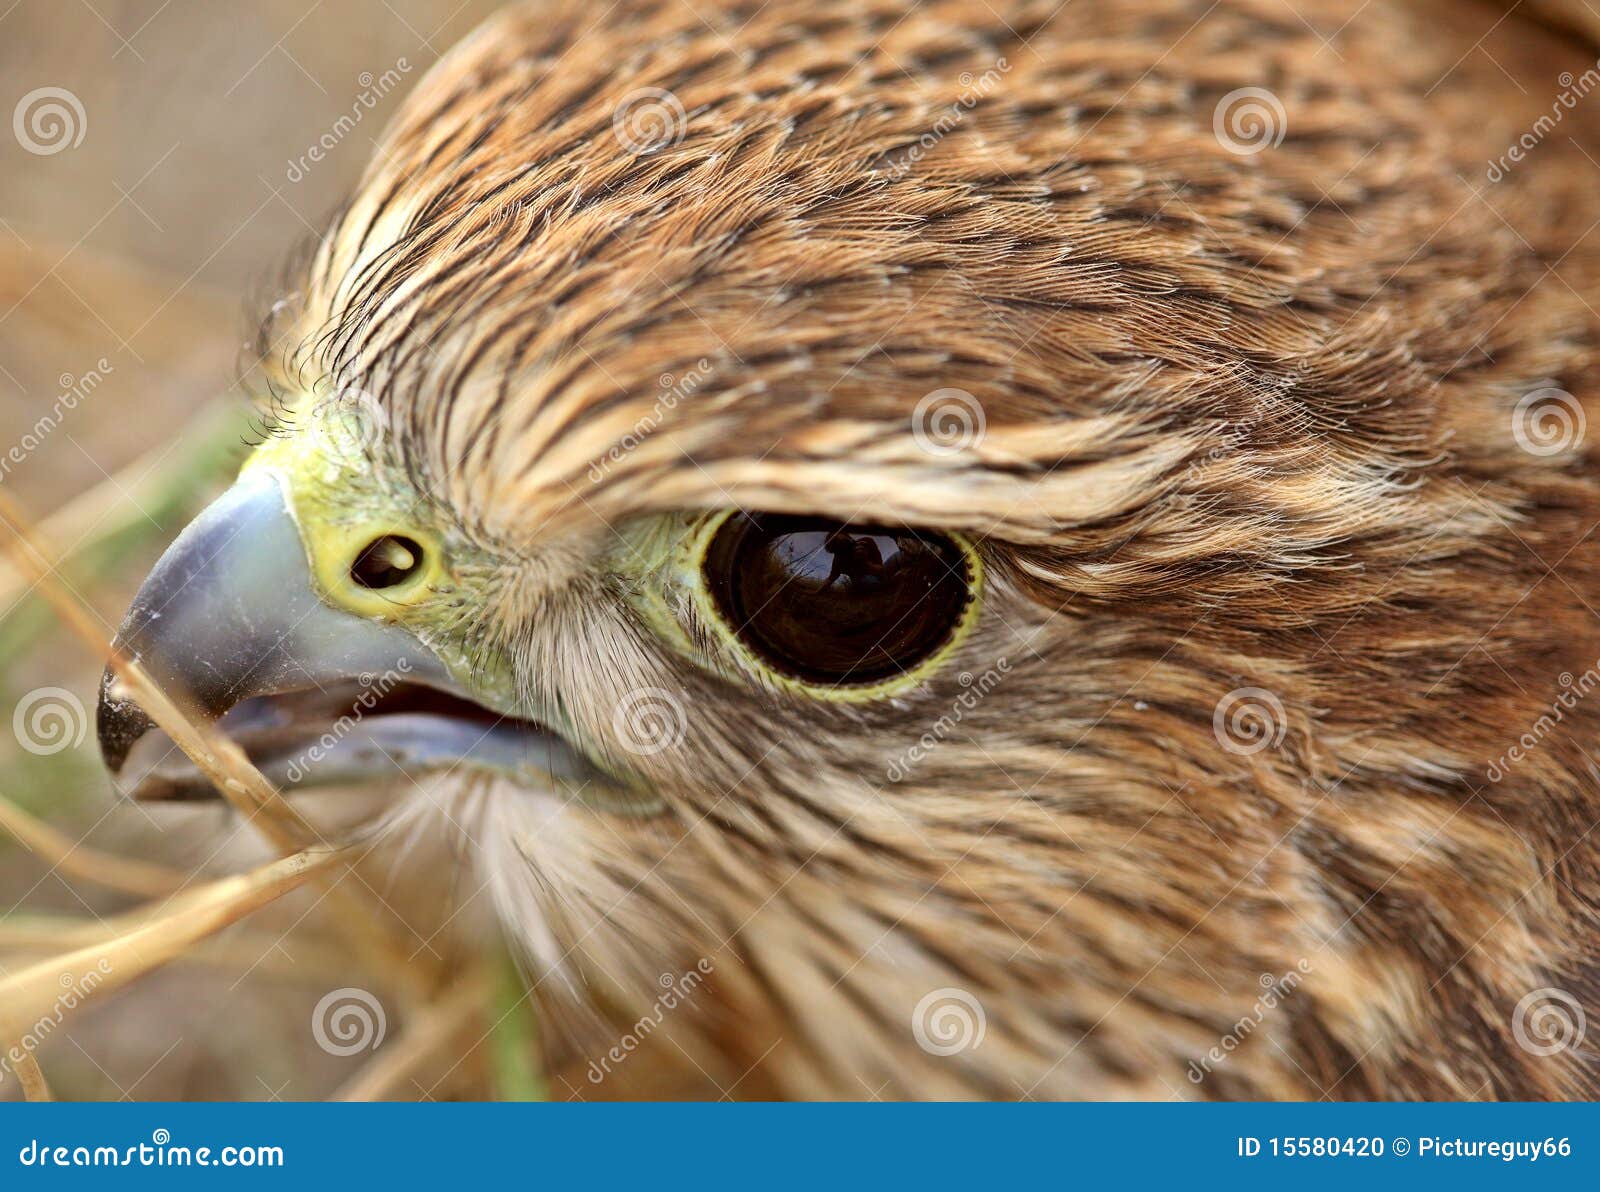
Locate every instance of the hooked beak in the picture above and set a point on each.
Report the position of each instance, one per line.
(230, 623)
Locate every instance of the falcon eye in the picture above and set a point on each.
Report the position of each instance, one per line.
(828, 603)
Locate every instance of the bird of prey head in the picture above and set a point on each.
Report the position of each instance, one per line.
(1018, 540)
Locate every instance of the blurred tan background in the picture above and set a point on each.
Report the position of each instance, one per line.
(139, 243)
(154, 174)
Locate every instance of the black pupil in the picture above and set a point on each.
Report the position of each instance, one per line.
(832, 603)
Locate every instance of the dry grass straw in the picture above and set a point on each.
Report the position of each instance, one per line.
(241, 950)
(178, 928)
(218, 758)
(432, 1029)
(146, 941)
(113, 506)
(65, 855)
(34, 1085)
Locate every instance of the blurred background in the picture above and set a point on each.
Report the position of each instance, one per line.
(158, 164)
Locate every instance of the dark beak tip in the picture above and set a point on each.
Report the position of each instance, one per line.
(119, 724)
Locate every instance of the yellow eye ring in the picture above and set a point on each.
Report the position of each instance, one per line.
(847, 613)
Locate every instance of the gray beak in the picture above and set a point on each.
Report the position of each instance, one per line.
(229, 614)
(230, 624)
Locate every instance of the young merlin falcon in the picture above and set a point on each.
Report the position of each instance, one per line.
(1043, 550)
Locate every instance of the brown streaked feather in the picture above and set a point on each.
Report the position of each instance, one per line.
(1247, 424)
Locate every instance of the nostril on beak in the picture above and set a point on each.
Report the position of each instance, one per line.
(387, 562)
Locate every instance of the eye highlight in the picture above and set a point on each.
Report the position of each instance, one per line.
(829, 604)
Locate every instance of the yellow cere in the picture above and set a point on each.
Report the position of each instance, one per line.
(341, 508)
(342, 502)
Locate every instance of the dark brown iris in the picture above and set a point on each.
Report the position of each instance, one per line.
(832, 603)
